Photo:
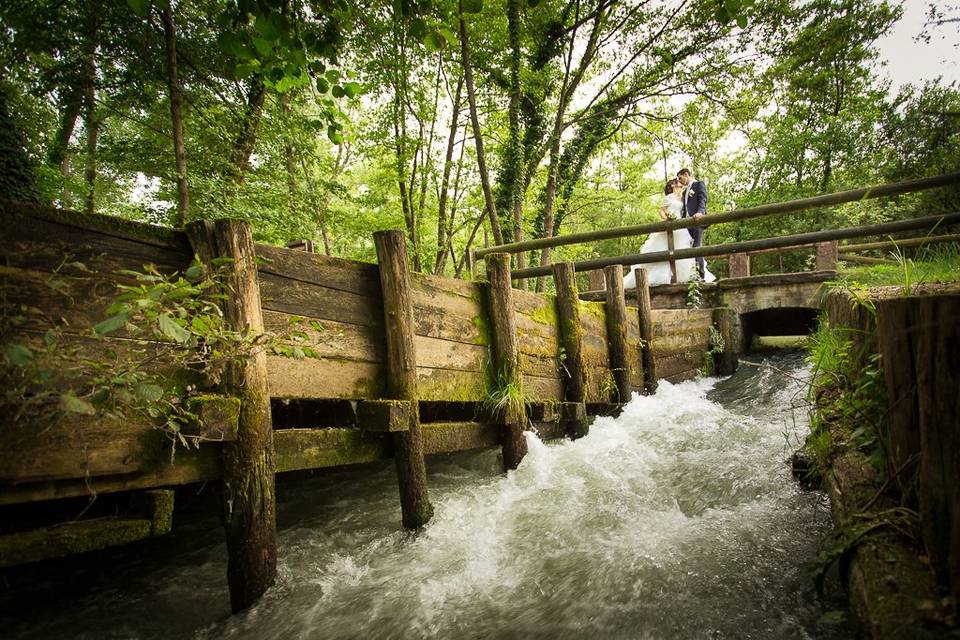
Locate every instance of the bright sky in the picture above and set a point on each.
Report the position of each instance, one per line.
(910, 61)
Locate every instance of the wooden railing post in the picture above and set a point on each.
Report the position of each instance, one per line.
(571, 340)
(725, 320)
(506, 357)
(596, 280)
(671, 246)
(402, 376)
(617, 331)
(738, 265)
(249, 504)
(827, 255)
(646, 331)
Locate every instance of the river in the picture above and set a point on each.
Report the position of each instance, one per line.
(678, 519)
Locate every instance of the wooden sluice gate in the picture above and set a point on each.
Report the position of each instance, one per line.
(401, 365)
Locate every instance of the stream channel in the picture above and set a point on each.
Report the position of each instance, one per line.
(678, 519)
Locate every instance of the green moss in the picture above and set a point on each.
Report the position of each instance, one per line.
(451, 387)
(367, 388)
(295, 449)
(546, 314)
(483, 329)
(596, 309)
(71, 538)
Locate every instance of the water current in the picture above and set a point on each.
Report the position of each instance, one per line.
(677, 519)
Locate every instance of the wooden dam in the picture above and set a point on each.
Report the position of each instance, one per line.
(389, 363)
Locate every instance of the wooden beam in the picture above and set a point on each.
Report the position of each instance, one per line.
(642, 293)
(249, 502)
(506, 357)
(617, 332)
(901, 242)
(725, 320)
(386, 416)
(402, 375)
(826, 256)
(738, 265)
(571, 341)
(218, 418)
(671, 247)
(847, 257)
(81, 536)
(927, 222)
(803, 204)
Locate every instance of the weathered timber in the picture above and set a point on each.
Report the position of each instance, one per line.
(932, 324)
(848, 257)
(296, 449)
(324, 271)
(671, 247)
(571, 338)
(900, 243)
(738, 265)
(802, 204)
(912, 224)
(645, 315)
(616, 315)
(402, 375)
(88, 535)
(827, 256)
(289, 295)
(448, 437)
(725, 360)
(248, 470)
(217, 420)
(387, 416)
(506, 359)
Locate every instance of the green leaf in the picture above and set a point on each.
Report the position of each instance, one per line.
(322, 85)
(353, 89)
(471, 6)
(140, 7)
(338, 91)
(742, 21)
(266, 28)
(449, 35)
(193, 273)
(112, 324)
(434, 42)
(73, 404)
(172, 329)
(334, 134)
(263, 47)
(18, 355)
(149, 392)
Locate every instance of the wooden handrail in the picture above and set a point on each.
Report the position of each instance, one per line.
(905, 242)
(927, 222)
(814, 202)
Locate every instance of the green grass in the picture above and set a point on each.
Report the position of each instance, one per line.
(938, 263)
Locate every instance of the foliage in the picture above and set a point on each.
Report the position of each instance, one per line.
(506, 398)
(937, 263)
(177, 346)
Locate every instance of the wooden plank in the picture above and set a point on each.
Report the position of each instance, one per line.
(337, 341)
(448, 385)
(297, 449)
(443, 354)
(324, 378)
(669, 366)
(361, 278)
(385, 416)
(71, 538)
(679, 342)
(435, 322)
(548, 367)
(540, 388)
(447, 437)
(617, 332)
(310, 300)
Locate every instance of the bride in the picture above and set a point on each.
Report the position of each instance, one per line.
(659, 272)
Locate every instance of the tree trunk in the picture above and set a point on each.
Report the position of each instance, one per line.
(247, 138)
(440, 262)
(477, 136)
(58, 155)
(173, 87)
(90, 104)
(288, 152)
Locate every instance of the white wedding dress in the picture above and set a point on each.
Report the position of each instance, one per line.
(659, 272)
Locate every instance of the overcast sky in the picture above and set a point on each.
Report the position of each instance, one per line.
(911, 61)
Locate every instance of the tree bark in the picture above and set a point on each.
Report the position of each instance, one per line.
(173, 88)
(477, 135)
(247, 138)
(91, 123)
(442, 231)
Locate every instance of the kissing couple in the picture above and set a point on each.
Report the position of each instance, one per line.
(684, 197)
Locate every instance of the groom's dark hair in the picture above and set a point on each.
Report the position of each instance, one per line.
(683, 172)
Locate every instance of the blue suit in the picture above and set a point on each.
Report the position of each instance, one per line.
(695, 201)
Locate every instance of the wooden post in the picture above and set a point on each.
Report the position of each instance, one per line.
(671, 245)
(506, 357)
(646, 332)
(725, 362)
(617, 331)
(571, 339)
(924, 418)
(596, 280)
(738, 265)
(249, 505)
(827, 256)
(402, 376)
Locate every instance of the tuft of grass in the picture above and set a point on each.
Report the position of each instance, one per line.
(506, 397)
(936, 263)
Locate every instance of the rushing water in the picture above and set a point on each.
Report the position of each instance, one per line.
(677, 519)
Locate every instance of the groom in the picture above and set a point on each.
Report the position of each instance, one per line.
(694, 204)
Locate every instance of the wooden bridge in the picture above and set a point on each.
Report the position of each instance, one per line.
(401, 365)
